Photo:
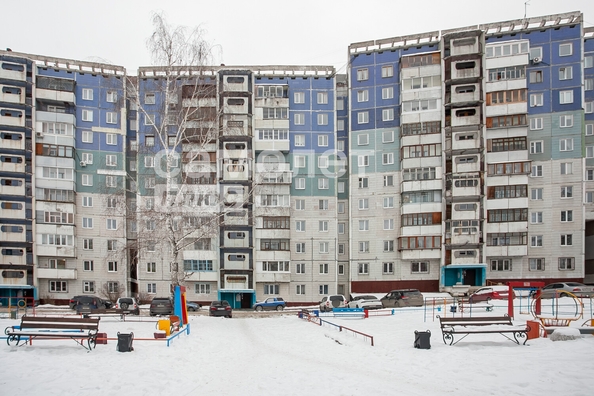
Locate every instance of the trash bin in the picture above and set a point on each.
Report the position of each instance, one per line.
(13, 314)
(423, 339)
(125, 342)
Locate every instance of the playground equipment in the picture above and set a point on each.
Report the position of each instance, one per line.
(558, 316)
(179, 303)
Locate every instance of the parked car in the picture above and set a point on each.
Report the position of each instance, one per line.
(365, 302)
(161, 306)
(486, 294)
(332, 301)
(84, 304)
(403, 298)
(560, 289)
(74, 300)
(192, 306)
(128, 305)
(271, 303)
(220, 308)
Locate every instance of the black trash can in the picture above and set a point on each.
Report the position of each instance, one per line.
(125, 342)
(423, 339)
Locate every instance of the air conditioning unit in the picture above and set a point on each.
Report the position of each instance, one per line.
(83, 163)
(536, 59)
(39, 134)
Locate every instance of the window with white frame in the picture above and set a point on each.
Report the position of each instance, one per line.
(363, 182)
(566, 239)
(299, 118)
(566, 192)
(566, 121)
(299, 97)
(536, 241)
(323, 226)
(566, 263)
(589, 84)
(149, 182)
(88, 265)
(536, 264)
(536, 147)
(566, 168)
(88, 287)
(388, 202)
(87, 115)
(341, 186)
(149, 141)
(322, 97)
(363, 139)
(341, 207)
(590, 174)
(322, 118)
(387, 136)
(536, 171)
(387, 114)
(363, 160)
(362, 74)
(362, 95)
(87, 180)
(324, 247)
(111, 96)
(565, 73)
(323, 204)
(389, 246)
(300, 268)
(501, 264)
(589, 129)
(111, 160)
(58, 286)
(589, 107)
(111, 139)
(151, 267)
(387, 71)
(536, 99)
(87, 201)
(363, 246)
(363, 225)
(565, 97)
(87, 137)
(323, 289)
(363, 268)
(388, 180)
(112, 224)
(363, 203)
(272, 289)
(536, 217)
(111, 117)
(388, 268)
(300, 183)
(589, 151)
(299, 289)
(419, 267)
(87, 158)
(536, 124)
(151, 288)
(300, 247)
(387, 158)
(566, 216)
(340, 127)
(300, 140)
(565, 49)
(341, 227)
(588, 61)
(566, 144)
(341, 249)
(388, 93)
(149, 98)
(87, 222)
(388, 224)
(87, 94)
(363, 117)
(112, 245)
(323, 183)
(299, 161)
(589, 197)
(112, 266)
(323, 140)
(300, 204)
(323, 162)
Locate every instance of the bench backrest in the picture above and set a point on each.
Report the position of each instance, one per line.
(347, 310)
(476, 321)
(73, 323)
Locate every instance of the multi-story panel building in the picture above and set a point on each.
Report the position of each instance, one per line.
(588, 65)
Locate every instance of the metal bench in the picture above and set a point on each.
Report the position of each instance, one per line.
(78, 329)
(450, 327)
(105, 312)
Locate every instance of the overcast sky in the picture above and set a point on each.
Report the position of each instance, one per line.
(257, 32)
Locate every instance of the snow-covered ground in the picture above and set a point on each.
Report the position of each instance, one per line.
(282, 354)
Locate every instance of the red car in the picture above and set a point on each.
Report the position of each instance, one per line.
(487, 294)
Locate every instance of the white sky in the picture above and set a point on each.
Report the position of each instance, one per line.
(305, 32)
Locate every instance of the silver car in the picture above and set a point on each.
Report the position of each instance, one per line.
(562, 289)
(365, 302)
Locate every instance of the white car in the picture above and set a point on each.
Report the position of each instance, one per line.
(365, 302)
(332, 301)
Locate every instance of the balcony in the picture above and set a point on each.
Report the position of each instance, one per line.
(55, 96)
(56, 273)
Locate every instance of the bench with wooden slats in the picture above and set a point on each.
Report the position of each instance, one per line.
(31, 328)
(450, 327)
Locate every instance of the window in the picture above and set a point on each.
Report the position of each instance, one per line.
(363, 117)
(112, 266)
(363, 182)
(536, 241)
(323, 119)
(566, 215)
(151, 267)
(87, 94)
(299, 161)
(149, 98)
(565, 49)
(324, 247)
(536, 217)
(87, 115)
(341, 249)
(341, 207)
(536, 100)
(566, 192)
(300, 247)
(388, 268)
(363, 268)
(87, 222)
(387, 136)
(566, 263)
(388, 202)
(111, 117)
(323, 289)
(151, 288)
(149, 141)
(112, 224)
(589, 196)
(363, 160)
(388, 158)
(565, 97)
(565, 73)
(363, 225)
(429, 104)
(419, 267)
(387, 71)
(504, 73)
(388, 246)
(299, 118)
(149, 182)
(300, 140)
(323, 226)
(299, 289)
(589, 84)
(364, 204)
(111, 160)
(590, 174)
(364, 247)
(58, 286)
(111, 96)
(87, 180)
(111, 139)
(300, 183)
(362, 74)
(536, 124)
(341, 187)
(388, 224)
(387, 114)
(388, 93)
(535, 76)
(87, 244)
(501, 265)
(341, 228)
(536, 147)
(566, 168)
(88, 287)
(323, 183)
(363, 139)
(87, 137)
(565, 144)
(388, 180)
(300, 204)
(322, 97)
(537, 264)
(589, 151)
(88, 265)
(300, 268)
(323, 204)
(566, 239)
(536, 171)
(536, 194)
(566, 121)
(271, 289)
(589, 107)
(362, 95)
(323, 140)
(322, 162)
(588, 61)
(112, 245)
